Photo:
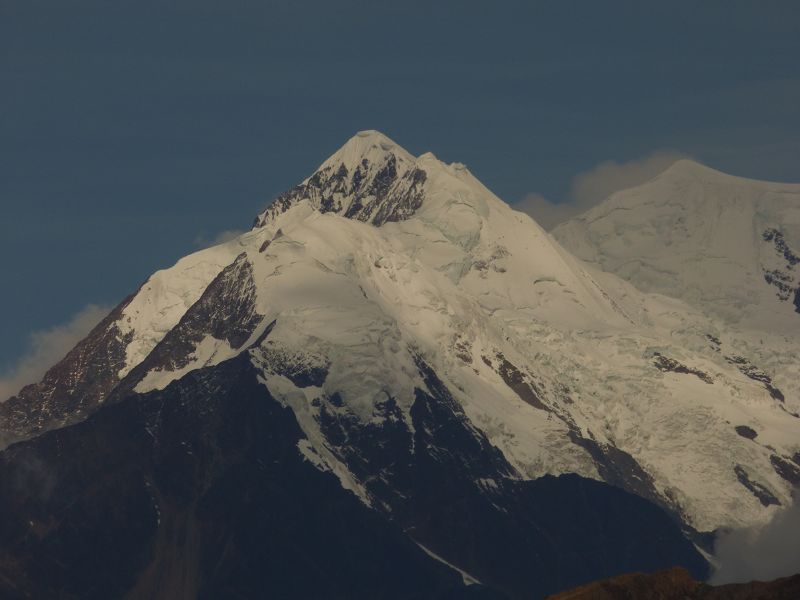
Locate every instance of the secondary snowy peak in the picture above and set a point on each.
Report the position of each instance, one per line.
(687, 169)
(726, 244)
(370, 179)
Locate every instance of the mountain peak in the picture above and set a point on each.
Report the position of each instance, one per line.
(371, 178)
(370, 145)
(686, 167)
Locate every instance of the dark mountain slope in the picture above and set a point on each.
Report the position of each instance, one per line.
(195, 492)
(73, 388)
(199, 491)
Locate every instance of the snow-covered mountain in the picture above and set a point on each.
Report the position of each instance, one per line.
(729, 245)
(431, 343)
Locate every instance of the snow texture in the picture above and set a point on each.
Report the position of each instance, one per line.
(633, 357)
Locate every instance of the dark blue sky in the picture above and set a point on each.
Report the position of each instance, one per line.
(128, 130)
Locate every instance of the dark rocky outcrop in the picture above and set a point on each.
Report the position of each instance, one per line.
(225, 311)
(780, 280)
(620, 469)
(714, 342)
(783, 279)
(753, 372)
(665, 364)
(781, 247)
(521, 383)
(786, 469)
(746, 432)
(71, 389)
(678, 584)
(764, 495)
(374, 193)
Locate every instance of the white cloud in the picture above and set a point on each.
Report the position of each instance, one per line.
(599, 182)
(226, 236)
(220, 238)
(47, 347)
(760, 554)
(595, 185)
(547, 213)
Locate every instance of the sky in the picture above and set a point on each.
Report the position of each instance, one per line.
(132, 133)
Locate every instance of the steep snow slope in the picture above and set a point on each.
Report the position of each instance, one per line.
(165, 297)
(565, 369)
(726, 244)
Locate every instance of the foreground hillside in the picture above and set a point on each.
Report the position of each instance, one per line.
(677, 584)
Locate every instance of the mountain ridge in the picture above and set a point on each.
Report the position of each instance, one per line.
(423, 335)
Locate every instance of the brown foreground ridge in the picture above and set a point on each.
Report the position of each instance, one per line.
(677, 584)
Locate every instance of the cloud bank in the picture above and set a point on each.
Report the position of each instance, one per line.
(760, 554)
(595, 185)
(47, 347)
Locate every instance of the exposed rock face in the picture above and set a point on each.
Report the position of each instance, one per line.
(781, 247)
(757, 489)
(380, 186)
(71, 389)
(746, 432)
(753, 372)
(664, 363)
(783, 278)
(225, 311)
(786, 469)
(522, 383)
(678, 584)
